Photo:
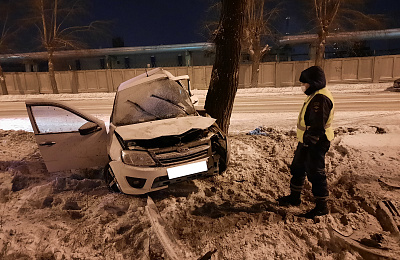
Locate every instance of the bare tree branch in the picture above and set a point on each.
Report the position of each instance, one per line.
(256, 27)
(56, 22)
(344, 14)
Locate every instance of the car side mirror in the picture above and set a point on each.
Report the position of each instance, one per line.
(89, 128)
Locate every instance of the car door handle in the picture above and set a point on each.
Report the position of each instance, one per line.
(49, 143)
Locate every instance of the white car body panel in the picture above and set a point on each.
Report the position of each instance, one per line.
(139, 79)
(171, 126)
(122, 170)
(145, 78)
(70, 150)
(155, 74)
(148, 173)
(114, 147)
(71, 139)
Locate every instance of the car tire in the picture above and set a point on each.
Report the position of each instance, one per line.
(110, 180)
(221, 147)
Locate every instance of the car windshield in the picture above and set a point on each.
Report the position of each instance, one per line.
(149, 101)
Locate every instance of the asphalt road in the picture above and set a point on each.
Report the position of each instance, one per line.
(250, 110)
(387, 101)
(376, 101)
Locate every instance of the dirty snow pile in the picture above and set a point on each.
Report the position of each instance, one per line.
(72, 215)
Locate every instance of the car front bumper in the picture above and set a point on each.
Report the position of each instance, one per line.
(156, 178)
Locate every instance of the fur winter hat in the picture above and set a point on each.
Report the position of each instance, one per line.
(314, 76)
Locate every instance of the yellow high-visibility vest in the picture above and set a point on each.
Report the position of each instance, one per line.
(301, 125)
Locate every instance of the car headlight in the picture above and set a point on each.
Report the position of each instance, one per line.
(137, 158)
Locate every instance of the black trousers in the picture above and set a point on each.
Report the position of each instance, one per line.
(310, 161)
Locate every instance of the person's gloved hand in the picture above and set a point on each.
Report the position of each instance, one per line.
(310, 139)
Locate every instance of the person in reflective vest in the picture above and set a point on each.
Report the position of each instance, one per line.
(314, 134)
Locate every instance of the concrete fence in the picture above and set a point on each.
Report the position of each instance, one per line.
(272, 74)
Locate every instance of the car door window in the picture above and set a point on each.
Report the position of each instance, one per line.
(52, 119)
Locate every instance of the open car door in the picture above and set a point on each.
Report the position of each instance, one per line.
(67, 138)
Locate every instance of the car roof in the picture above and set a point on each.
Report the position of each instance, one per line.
(148, 76)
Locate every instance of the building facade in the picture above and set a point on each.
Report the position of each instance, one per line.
(179, 55)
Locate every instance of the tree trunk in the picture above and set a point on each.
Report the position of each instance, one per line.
(4, 90)
(255, 66)
(225, 72)
(319, 57)
(52, 75)
(255, 71)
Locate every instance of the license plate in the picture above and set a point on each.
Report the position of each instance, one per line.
(188, 169)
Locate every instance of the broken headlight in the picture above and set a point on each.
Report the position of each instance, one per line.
(137, 158)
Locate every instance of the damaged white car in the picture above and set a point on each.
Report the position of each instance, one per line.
(156, 137)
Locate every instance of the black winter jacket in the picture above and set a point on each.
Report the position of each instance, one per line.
(319, 108)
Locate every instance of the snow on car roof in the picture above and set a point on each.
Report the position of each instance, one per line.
(154, 74)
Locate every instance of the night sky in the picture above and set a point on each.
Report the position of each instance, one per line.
(154, 22)
(163, 22)
(160, 22)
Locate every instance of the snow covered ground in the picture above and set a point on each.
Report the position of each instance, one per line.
(72, 215)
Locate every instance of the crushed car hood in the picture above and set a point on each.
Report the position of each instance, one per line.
(165, 127)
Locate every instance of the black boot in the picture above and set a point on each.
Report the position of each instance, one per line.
(321, 208)
(291, 200)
